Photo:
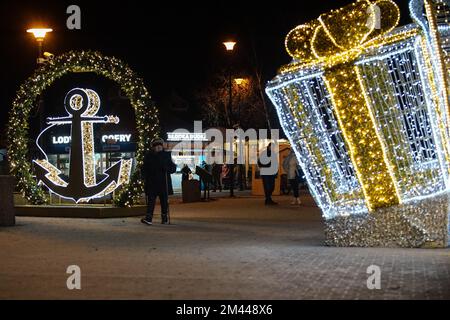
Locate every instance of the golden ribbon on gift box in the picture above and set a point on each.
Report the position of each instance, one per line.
(333, 42)
(343, 32)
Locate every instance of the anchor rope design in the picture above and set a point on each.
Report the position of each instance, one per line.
(81, 106)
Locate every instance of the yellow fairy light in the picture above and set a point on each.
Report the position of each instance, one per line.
(88, 153)
(333, 57)
(298, 42)
(340, 36)
(379, 139)
(79, 61)
(350, 26)
(357, 127)
(54, 174)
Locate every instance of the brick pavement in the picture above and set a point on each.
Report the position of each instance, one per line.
(226, 249)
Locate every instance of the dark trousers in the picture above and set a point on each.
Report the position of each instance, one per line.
(241, 178)
(216, 182)
(151, 201)
(269, 186)
(294, 186)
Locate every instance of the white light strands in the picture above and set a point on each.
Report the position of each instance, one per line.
(82, 106)
(311, 126)
(133, 87)
(366, 112)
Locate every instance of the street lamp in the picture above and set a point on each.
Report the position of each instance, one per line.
(229, 46)
(239, 81)
(39, 34)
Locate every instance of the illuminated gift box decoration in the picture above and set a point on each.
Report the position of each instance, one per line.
(365, 107)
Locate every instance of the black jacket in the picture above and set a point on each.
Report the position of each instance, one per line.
(268, 154)
(156, 172)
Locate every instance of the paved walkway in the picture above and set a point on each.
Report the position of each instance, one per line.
(225, 249)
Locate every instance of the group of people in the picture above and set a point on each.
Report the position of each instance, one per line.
(221, 175)
(158, 166)
(225, 176)
(293, 172)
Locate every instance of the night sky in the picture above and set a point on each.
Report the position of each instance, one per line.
(173, 45)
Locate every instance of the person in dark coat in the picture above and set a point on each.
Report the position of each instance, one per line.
(156, 170)
(268, 179)
(185, 172)
(216, 173)
(241, 177)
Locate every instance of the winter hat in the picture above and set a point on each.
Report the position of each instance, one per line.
(157, 142)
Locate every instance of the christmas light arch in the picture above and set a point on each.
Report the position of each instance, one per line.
(147, 124)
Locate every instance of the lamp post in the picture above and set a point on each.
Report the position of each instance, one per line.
(240, 82)
(39, 34)
(229, 46)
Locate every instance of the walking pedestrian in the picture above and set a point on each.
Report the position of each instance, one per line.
(156, 170)
(185, 172)
(290, 166)
(216, 173)
(241, 177)
(225, 173)
(268, 178)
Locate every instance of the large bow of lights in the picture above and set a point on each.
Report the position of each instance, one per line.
(365, 107)
(79, 61)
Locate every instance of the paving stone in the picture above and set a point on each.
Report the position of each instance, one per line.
(225, 249)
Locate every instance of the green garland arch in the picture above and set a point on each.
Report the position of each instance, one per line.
(147, 123)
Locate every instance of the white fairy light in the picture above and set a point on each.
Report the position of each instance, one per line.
(87, 149)
(404, 92)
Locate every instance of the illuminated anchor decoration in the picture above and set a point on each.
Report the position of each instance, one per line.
(82, 106)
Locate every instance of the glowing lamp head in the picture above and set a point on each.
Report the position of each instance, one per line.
(240, 81)
(39, 33)
(229, 45)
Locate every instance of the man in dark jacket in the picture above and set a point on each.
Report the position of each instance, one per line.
(185, 172)
(216, 173)
(156, 170)
(268, 178)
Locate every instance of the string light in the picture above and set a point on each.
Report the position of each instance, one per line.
(74, 101)
(365, 111)
(147, 124)
(341, 35)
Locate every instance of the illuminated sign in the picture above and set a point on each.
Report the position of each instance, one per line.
(61, 140)
(81, 185)
(186, 136)
(105, 138)
(116, 137)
